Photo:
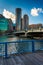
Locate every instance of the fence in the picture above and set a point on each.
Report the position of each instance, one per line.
(20, 46)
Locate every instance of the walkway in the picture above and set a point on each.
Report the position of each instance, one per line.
(23, 59)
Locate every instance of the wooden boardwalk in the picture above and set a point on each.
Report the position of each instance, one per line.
(23, 59)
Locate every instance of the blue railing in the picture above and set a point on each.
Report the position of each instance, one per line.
(21, 44)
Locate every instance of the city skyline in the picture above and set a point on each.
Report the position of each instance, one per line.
(33, 8)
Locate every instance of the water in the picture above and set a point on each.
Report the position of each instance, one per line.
(18, 47)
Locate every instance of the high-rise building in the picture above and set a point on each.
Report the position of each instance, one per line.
(18, 19)
(26, 22)
(22, 24)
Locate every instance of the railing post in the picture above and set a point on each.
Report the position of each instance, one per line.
(6, 50)
(33, 48)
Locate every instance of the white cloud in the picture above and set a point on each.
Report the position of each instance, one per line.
(36, 11)
(8, 15)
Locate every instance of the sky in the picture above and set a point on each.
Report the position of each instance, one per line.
(33, 8)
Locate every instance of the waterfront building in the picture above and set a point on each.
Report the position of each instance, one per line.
(35, 26)
(3, 23)
(26, 22)
(18, 19)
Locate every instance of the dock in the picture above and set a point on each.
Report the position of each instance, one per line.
(23, 59)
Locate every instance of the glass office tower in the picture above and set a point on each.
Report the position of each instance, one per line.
(18, 19)
(26, 22)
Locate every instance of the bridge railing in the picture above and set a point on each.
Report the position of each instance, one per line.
(20, 46)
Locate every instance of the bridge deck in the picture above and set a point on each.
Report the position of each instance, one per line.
(23, 59)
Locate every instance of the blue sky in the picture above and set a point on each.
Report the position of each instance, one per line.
(28, 7)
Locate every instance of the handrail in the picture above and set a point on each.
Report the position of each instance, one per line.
(20, 41)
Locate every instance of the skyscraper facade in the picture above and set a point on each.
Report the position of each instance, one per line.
(22, 24)
(26, 21)
(18, 19)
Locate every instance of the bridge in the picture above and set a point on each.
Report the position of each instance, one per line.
(30, 33)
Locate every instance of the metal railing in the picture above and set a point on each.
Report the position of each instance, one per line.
(22, 46)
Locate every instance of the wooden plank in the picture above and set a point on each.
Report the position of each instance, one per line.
(1, 60)
(39, 58)
(18, 60)
(32, 59)
(23, 59)
(6, 61)
(11, 61)
(41, 54)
